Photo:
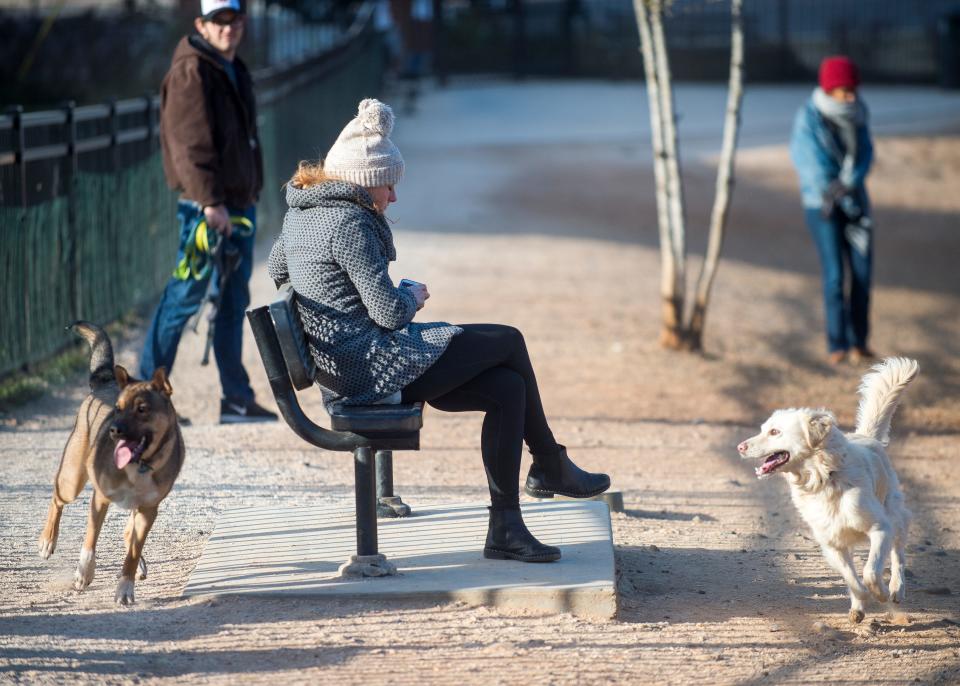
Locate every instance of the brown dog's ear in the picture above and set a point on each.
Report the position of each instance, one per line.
(160, 381)
(121, 375)
(818, 426)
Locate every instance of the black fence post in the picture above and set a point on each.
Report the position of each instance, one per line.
(151, 128)
(783, 31)
(73, 278)
(20, 140)
(519, 40)
(114, 135)
(570, 11)
(439, 47)
(948, 52)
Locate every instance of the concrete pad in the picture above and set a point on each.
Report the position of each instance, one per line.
(438, 550)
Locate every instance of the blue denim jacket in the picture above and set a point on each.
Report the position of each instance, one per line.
(817, 152)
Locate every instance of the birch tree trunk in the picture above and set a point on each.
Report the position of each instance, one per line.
(671, 306)
(671, 337)
(725, 181)
(676, 332)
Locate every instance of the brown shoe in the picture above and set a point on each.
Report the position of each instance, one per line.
(836, 357)
(858, 355)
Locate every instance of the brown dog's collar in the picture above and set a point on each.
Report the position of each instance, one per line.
(142, 466)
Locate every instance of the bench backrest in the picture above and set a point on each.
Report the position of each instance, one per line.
(293, 342)
(290, 367)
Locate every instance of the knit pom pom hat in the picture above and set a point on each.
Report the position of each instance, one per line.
(363, 152)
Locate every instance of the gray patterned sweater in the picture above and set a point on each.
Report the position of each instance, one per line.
(335, 251)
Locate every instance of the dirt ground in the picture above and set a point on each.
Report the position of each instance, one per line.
(718, 580)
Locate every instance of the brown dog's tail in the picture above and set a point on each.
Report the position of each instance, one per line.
(101, 353)
(879, 394)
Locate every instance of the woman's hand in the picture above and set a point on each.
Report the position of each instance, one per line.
(420, 294)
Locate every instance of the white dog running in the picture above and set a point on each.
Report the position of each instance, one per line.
(844, 485)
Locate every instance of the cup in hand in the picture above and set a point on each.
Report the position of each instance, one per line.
(418, 289)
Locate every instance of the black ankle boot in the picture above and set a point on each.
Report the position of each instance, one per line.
(509, 539)
(550, 476)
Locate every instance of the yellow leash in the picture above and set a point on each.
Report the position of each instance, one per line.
(200, 245)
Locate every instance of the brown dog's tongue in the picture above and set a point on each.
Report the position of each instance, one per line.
(123, 453)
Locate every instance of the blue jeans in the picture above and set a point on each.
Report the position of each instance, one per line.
(847, 317)
(181, 299)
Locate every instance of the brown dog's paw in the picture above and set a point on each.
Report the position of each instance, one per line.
(86, 568)
(45, 547)
(856, 616)
(124, 594)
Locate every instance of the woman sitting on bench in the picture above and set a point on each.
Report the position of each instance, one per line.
(335, 250)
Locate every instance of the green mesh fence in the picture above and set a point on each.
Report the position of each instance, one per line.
(110, 244)
(34, 291)
(117, 251)
(126, 241)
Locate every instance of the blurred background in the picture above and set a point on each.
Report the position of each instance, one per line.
(90, 50)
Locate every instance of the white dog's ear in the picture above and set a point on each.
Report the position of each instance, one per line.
(819, 423)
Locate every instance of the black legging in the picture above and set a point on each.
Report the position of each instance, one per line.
(486, 368)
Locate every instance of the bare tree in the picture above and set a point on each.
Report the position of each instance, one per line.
(682, 322)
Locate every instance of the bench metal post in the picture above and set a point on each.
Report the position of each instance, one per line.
(389, 505)
(365, 486)
(384, 474)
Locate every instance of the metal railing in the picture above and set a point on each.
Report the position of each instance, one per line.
(18, 125)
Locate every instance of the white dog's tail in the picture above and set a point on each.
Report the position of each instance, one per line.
(879, 394)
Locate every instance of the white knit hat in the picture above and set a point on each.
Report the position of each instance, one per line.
(364, 153)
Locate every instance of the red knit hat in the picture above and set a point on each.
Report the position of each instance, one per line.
(838, 72)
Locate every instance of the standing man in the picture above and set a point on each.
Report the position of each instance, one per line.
(211, 154)
(832, 151)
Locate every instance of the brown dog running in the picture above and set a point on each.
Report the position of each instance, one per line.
(126, 441)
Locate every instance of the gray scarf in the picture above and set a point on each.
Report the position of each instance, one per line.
(846, 116)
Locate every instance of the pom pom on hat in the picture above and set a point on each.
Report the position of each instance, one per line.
(363, 152)
(375, 116)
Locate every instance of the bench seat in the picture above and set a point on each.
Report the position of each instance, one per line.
(377, 419)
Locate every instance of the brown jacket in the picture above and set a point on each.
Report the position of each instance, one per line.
(208, 129)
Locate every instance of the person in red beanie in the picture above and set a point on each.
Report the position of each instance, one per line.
(832, 151)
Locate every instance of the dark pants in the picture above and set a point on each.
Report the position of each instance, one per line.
(847, 317)
(181, 299)
(487, 369)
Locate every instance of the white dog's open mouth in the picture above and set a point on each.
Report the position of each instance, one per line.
(772, 463)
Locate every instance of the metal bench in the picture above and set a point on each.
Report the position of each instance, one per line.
(371, 432)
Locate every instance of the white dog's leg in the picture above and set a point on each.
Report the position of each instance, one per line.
(897, 563)
(881, 541)
(842, 561)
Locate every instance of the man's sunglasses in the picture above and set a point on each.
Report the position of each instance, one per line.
(226, 19)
